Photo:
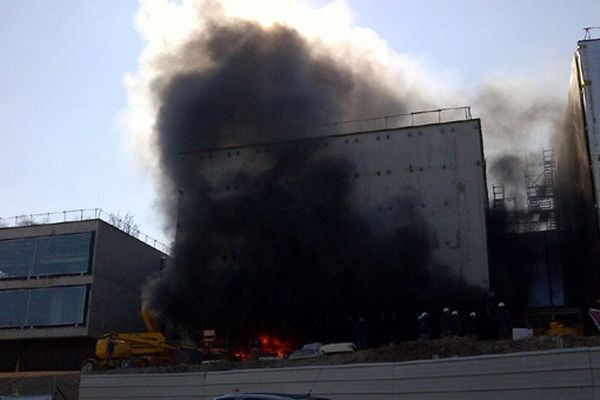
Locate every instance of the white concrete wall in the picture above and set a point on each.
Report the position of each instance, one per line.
(439, 167)
(557, 374)
(588, 56)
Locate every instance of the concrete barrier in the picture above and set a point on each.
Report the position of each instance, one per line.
(554, 374)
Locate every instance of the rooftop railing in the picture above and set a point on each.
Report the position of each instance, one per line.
(424, 117)
(340, 128)
(124, 224)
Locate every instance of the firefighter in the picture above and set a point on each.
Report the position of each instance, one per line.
(424, 326)
(446, 323)
(110, 350)
(501, 319)
(256, 348)
(455, 324)
(472, 325)
(361, 333)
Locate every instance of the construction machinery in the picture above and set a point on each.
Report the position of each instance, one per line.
(558, 328)
(136, 350)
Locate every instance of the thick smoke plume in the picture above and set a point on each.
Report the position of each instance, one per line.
(519, 120)
(212, 80)
(259, 85)
(287, 249)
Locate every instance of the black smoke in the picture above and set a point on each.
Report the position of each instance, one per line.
(509, 171)
(282, 248)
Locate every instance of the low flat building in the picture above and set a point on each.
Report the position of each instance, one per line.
(63, 285)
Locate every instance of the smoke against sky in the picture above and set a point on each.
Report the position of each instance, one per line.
(67, 97)
(518, 114)
(228, 76)
(279, 246)
(292, 223)
(328, 31)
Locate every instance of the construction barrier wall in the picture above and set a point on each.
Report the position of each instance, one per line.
(544, 375)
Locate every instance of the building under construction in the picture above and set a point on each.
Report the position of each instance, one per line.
(379, 218)
(65, 284)
(553, 241)
(577, 183)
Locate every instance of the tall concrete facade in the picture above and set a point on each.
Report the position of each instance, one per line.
(434, 174)
(587, 80)
(577, 179)
(64, 285)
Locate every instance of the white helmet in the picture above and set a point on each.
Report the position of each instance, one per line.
(473, 314)
(501, 304)
(454, 312)
(446, 309)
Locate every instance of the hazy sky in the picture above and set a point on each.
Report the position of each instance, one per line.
(63, 62)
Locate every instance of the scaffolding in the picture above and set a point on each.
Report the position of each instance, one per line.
(498, 202)
(539, 178)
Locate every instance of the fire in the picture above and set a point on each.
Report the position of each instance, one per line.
(273, 345)
(270, 346)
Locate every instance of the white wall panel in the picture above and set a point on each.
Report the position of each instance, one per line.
(588, 55)
(439, 167)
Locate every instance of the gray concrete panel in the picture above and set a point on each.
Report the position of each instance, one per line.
(63, 228)
(559, 374)
(588, 53)
(46, 282)
(439, 167)
(122, 264)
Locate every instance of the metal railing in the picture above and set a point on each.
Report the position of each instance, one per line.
(395, 121)
(415, 118)
(123, 224)
(588, 32)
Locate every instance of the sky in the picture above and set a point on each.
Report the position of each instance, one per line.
(63, 66)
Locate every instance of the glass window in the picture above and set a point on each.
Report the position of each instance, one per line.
(49, 255)
(63, 254)
(43, 307)
(57, 306)
(16, 257)
(13, 307)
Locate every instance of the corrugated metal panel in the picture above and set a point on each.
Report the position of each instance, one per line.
(557, 374)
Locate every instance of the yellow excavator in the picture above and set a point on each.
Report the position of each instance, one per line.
(137, 350)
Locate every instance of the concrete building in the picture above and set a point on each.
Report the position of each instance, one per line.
(63, 285)
(578, 180)
(428, 173)
(585, 88)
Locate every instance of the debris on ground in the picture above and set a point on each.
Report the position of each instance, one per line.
(406, 351)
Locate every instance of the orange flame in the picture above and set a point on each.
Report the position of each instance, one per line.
(270, 346)
(273, 345)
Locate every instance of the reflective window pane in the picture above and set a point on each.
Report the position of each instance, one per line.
(16, 257)
(43, 256)
(57, 306)
(13, 307)
(63, 254)
(42, 307)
